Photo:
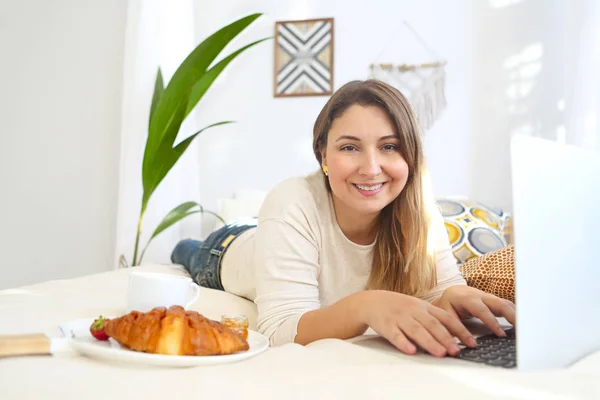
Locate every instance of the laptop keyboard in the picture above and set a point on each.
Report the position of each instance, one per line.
(493, 350)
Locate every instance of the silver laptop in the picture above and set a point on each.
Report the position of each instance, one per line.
(556, 207)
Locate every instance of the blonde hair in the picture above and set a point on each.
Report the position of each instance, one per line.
(402, 261)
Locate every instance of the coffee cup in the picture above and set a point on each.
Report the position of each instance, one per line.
(150, 289)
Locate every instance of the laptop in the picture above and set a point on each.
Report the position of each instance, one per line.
(556, 209)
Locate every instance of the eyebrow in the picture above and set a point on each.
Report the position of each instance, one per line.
(348, 137)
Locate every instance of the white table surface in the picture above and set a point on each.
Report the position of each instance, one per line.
(331, 369)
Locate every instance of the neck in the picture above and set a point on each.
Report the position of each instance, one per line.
(358, 228)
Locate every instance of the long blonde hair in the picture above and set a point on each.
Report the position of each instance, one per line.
(401, 261)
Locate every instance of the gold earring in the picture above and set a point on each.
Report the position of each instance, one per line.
(325, 170)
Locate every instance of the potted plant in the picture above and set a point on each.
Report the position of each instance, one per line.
(169, 108)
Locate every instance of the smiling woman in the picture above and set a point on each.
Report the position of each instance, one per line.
(356, 244)
(366, 168)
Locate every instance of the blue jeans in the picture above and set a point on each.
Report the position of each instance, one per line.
(202, 259)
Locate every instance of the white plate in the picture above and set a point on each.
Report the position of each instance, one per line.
(84, 343)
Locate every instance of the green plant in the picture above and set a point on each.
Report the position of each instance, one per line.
(170, 106)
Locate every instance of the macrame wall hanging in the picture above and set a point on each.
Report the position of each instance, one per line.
(422, 84)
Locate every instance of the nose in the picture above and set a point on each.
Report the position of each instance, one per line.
(370, 165)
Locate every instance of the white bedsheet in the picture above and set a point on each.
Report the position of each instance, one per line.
(332, 369)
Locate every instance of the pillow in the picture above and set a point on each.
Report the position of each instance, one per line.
(245, 204)
(473, 228)
(493, 273)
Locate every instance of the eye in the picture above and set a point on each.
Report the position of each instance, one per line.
(390, 147)
(348, 147)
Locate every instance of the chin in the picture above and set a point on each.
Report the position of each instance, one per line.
(374, 208)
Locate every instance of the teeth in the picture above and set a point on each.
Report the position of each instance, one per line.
(361, 187)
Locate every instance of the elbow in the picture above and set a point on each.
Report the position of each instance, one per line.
(279, 331)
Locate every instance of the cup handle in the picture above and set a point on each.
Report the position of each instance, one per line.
(195, 294)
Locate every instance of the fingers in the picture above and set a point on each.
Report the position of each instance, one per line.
(417, 332)
(454, 325)
(439, 332)
(501, 308)
(451, 311)
(480, 310)
(398, 339)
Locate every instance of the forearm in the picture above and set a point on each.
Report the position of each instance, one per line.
(434, 294)
(342, 320)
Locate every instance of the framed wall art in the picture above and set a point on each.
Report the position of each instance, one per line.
(303, 58)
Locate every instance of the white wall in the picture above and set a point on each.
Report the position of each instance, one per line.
(273, 138)
(61, 66)
(60, 105)
(535, 73)
(514, 67)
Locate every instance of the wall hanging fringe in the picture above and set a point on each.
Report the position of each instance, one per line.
(422, 84)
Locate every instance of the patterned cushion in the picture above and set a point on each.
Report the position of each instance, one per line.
(473, 228)
(493, 273)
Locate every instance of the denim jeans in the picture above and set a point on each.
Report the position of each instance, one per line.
(202, 259)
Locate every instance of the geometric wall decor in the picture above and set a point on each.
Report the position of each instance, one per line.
(303, 59)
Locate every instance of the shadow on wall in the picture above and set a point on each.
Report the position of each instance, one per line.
(526, 67)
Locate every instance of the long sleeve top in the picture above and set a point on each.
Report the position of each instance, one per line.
(298, 259)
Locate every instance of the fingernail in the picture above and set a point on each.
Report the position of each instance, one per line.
(472, 341)
(455, 349)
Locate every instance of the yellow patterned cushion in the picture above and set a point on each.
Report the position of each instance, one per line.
(473, 228)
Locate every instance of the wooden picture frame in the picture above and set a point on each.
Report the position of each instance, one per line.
(303, 58)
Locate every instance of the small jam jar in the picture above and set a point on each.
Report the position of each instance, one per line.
(237, 323)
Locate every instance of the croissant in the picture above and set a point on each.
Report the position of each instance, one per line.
(174, 331)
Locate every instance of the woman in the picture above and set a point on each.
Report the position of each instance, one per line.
(357, 244)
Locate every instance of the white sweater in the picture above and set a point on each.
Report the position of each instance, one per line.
(298, 259)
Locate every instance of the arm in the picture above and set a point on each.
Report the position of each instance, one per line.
(341, 320)
(287, 268)
(345, 318)
(399, 318)
(286, 263)
(448, 274)
(289, 310)
(452, 293)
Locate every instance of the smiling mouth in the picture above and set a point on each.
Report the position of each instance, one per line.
(369, 187)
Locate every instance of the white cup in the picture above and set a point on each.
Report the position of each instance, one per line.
(150, 289)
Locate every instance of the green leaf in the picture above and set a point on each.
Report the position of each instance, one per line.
(216, 215)
(165, 160)
(176, 215)
(168, 115)
(158, 91)
(150, 174)
(207, 80)
(171, 105)
(198, 91)
(171, 108)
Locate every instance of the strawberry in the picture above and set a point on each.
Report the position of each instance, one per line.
(97, 328)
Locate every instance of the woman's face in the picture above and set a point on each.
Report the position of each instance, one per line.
(366, 170)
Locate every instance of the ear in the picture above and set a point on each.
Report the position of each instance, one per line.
(323, 157)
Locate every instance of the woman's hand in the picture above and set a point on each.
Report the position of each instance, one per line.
(402, 319)
(465, 302)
